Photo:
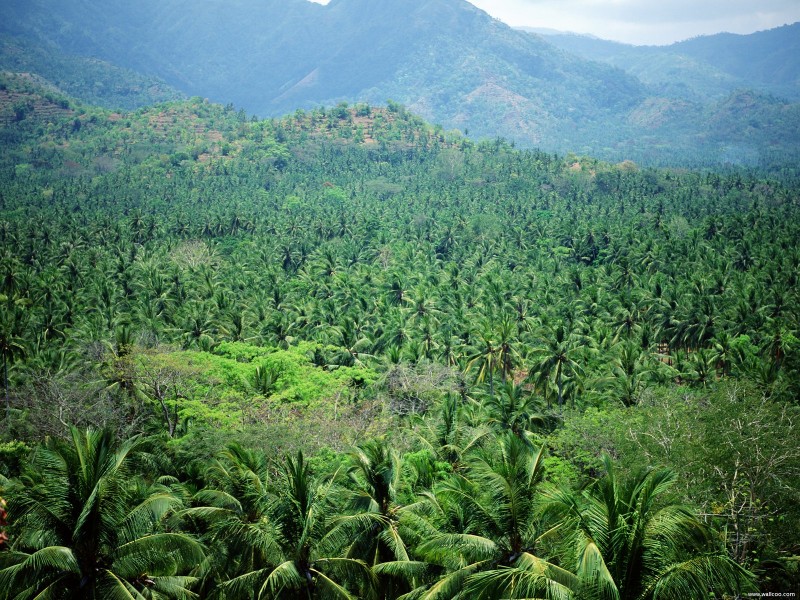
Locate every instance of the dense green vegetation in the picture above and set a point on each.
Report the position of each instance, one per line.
(713, 101)
(93, 81)
(348, 354)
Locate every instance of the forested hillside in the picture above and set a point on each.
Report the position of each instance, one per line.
(711, 66)
(444, 59)
(348, 354)
(92, 80)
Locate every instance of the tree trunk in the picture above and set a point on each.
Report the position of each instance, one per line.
(5, 388)
(165, 409)
(560, 389)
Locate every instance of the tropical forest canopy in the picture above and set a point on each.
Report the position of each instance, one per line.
(348, 354)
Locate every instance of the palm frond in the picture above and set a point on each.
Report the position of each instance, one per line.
(205, 513)
(329, 588)
(509, 582)
(218, 499)
(405, 569)
(284, 576)
(174, 587)
(243, 585)
(158, 554)
(114, 588)
(53, 590)
(455, 550)
(141, 519)
(346, 528)
(452, 583)
(594, 574)
(391, 537)
(693, 578)
(57, 558)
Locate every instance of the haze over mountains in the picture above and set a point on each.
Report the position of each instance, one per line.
(703, 67)
(716, 99)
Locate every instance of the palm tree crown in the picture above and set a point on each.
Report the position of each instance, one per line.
(84, 528)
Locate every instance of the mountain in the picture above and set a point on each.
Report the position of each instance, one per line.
(444, 59)
(768, 60)
(90, 79)
(704, 67)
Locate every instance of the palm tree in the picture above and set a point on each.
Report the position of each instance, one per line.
(529, 578)
(703, 365)
(421, 304)
(486, 359)
(630, 373)
(446, 435)
(85, 527)
(198, 327)
(700, 325)
(488, 523)
(11, 341)
(303, 560)
(507, 354)
(556, 358)
(514, 409)
(372, 533)
(725, 353)
(624, 542)
(355, 345)
(627, 318)
(235, 510)
(780, 343)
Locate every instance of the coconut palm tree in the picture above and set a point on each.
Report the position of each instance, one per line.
(445, 433)
(488, 524)
(233, 511)
(485, 359)
(624, 541)
(556, 357)
(631, 373)
(85, 527)
(12, 344)
(514, 409)
(372, 532)
(508, 356)
(303, 562)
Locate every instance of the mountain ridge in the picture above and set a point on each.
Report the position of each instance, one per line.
(765, 60)
(445, 59)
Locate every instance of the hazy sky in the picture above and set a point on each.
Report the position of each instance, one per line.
(644, 21)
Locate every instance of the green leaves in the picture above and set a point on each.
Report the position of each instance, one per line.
(286, 539)
(77, 525)
(621, 539)
(529, 577)
(278, 531)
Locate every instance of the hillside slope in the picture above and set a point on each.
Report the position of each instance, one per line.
(92, 80)
(445, 59)
(705, 67)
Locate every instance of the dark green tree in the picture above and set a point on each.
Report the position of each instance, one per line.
(84, 525)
